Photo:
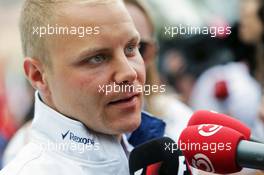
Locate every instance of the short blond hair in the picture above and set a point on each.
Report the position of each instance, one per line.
(37, 13)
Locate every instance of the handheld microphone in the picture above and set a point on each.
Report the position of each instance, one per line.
(209, 117)
(153, 156)
(219, 149)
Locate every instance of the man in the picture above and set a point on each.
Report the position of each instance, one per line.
(77, 128)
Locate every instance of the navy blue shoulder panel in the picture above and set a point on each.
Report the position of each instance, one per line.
(150, 128)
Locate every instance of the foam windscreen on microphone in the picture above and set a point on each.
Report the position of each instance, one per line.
(153, 152)
(209, 117)
(211, 148)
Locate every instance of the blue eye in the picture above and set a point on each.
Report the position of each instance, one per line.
(97, 59)
(130, 50)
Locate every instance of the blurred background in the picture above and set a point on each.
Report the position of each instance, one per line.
(222, 73)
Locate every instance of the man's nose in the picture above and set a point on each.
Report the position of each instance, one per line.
(125, 72)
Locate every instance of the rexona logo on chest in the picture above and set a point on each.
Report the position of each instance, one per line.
(76, 138)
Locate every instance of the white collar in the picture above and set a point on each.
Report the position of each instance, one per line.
(71, 138)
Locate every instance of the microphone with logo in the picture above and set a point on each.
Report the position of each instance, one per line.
(211, 117)
(152, 158)
(220, 149)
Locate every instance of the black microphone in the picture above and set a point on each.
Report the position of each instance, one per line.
(155, 151)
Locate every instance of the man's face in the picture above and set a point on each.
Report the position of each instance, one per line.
(81, 65)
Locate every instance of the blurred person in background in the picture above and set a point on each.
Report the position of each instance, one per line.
(260, 56)
(193, 55)
(177, 74)
(232, 87)
(223, 87)
(166, 104)
(259, 129)
(252, 32)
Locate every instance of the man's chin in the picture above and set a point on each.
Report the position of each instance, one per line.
(129, 126)
(121, 122)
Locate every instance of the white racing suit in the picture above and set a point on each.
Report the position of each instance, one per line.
(62, 146)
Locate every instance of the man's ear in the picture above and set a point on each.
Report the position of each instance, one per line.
(34, 70)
